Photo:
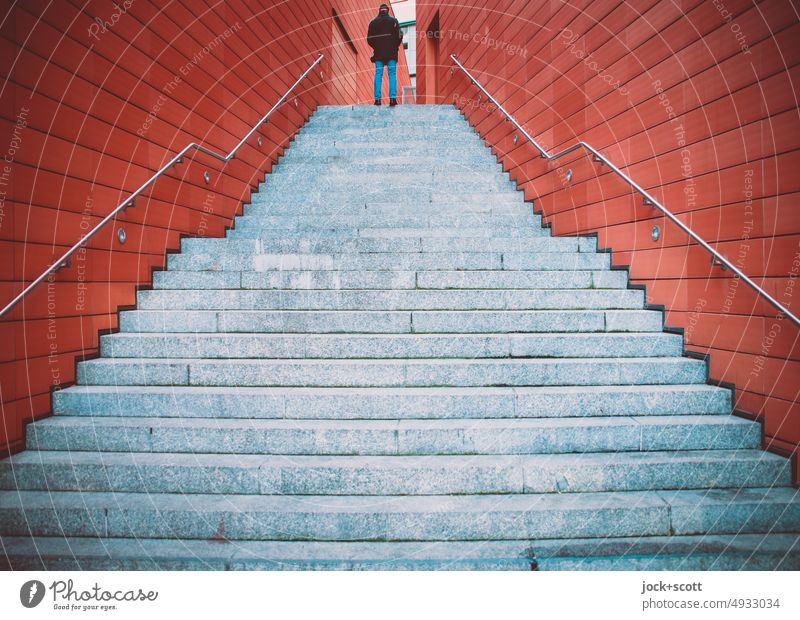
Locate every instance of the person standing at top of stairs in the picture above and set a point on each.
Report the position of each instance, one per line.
(384, 37)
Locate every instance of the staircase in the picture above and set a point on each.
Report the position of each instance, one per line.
(390, 363)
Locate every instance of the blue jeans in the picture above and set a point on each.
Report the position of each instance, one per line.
(392, 66)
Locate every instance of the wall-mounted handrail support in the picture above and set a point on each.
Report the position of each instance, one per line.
(717, 258)
(129, 201)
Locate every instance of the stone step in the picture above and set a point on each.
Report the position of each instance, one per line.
(390, 346)
(435, 129)
(385, 114)
(720, 552)
(423, 198)
(302, 206)
(397, 177)
(414, 299)
(360, 111)
(365, 151)
(457, 436)
(419, 197)
(397, 403)
(693, 552)
(400, 232)
(409, 190)
(342, 157)
(311, 222)
(233, 249)
(398, 140)
(383, 261)
(393, 322)
(323, 245)
(413, 518)
(252, 474)
(435, 125)
(392, 372)
(60, 553)
(303, 280)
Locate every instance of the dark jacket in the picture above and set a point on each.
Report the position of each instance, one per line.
(384, 37)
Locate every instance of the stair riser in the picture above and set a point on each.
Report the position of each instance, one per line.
(442, 261)
(219, 248)
(384, 374)
(306, 280)
(388, 157)
(251, 475)
(434, 129)
(423, 199)
(382, 347)
(314, 221)
(368, 159)
(387, 405)
(394, 142)
(393, 233)
(255, 321)
(714, 552)
(297, 182)
(245, 525)
(751, 560)
(511, 518)
(323, 208)
(599, 299)
(143, 562)
(591, 436)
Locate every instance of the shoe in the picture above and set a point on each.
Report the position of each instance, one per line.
(392, 102)
(377, 102)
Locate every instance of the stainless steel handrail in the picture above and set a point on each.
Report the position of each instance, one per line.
(649, 200)
(128, 202)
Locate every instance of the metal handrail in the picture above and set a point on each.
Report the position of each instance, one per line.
(648, 199)
(128, 202)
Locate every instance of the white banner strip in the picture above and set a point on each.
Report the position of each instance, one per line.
(396, 595)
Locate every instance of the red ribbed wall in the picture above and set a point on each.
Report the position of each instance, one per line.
(91, 106)
(697, 101)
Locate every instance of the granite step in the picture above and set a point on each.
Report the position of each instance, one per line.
(389, 346)
(407, 178)
(254, 474)
(305, 206)
(461, 163)
(248, 247)
(720, 552)
(352, 232)
(392, 321)
(51, 553)
(645, 435)
(390, 518)
(388, 261)
(419, 197)
(692, 552)
(392, 372)
(304, 280)
(313, 221)
(388, 299)
(403, 403)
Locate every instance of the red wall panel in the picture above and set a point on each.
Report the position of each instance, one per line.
(699, 106)
(87, 114)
